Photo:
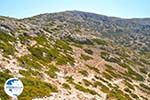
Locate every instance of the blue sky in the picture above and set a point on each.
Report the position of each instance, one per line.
(118, 8)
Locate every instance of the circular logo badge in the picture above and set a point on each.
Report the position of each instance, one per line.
(13, 87)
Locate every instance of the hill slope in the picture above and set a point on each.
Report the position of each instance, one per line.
(77, 56)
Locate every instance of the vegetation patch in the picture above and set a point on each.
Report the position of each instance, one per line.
(100, 41)
(104, 88)
(3, 78)
(127, 90)
(44, 54)
(23, 38)
(93, 68)
(87, 82)
(118, 95)
(65, 59)
(85, 57)
(5, 37)
(34, 88)
(86, 90)
(66, 86)
(28, 62)
(107, 75)
(42, 40)
(129, 85)
(112, 72)
(63, 45)
(7, 48)
(84, 73)
(134, 75)
(89, 51)
(52, 71)
(145, 87)
(134, 96)
(69, 79)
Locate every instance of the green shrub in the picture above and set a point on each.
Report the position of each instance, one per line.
(3, 95)
(89, 51)
(100, 41)
(29, 72)
(145, 86)
(35, 88)
(145, 61)
(97, 77)
(87, 83)
(52, 71)
(149, 75)
(44, 54)
(25, 73)
(107, 75)
(144, 98)
(134, 96)
(84, 73)
(3, 78)
(143, 70)
(42, 40)
(97, 83)
(127, 90)
(5, 37)
(63, 45)
(69, 79)
(105, 55)
(104, 88)
(109, 67)
(86, 90)
(118, 95)
(23, 38)
(112, 72)
(93, 68)
(134, 75)
(66, 86)
(28, 62)
(62, 60)
(85, 57)
(7, 48)
(129, 85)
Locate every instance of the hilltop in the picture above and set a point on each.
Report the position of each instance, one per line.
(77, 56)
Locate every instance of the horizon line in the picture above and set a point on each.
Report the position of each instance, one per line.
(72, 11)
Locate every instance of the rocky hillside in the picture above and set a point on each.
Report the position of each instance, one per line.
(76, 55)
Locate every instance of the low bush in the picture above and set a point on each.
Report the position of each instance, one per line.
(63, 45)
(86, 90)
(93, 68)
(87, 82)
(34, 88)
(129, 85)
(65, 59)
(118, 95)
(89, 51)
(5, 37)
(7, 48)
(27, 62)
(66, 86)
(84, 73)
(85, 57)
(3, 78)
(145, 86)
(100, 41)
(52, 71)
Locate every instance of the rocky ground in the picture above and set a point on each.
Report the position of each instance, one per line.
(59, 58)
